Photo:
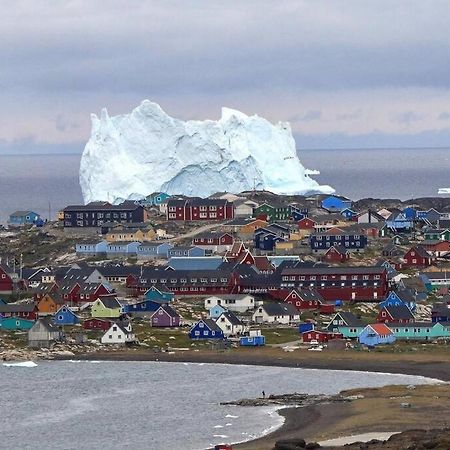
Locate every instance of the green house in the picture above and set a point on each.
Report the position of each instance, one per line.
(15, 323)
(273, 212)
(106, 307)
(421, 330)
(437, 235)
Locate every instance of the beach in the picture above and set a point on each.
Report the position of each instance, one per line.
(377, 412)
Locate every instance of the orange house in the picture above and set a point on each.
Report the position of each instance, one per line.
(49, 304)
(250, 227)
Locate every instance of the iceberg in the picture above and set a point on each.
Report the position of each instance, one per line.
(443, 191)
(21, 364)
(132, 155)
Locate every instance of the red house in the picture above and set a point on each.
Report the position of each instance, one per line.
(417, 257)
(306, 224)
(395, 314)
(97, 324)
(304, 299)
(199, 209)
(6, 282)
(336, 254)
(320, 336)
(436, 248)
(22, 310)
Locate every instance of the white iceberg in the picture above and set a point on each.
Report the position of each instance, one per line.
(21, 364)
(443, 191)
(132, 155)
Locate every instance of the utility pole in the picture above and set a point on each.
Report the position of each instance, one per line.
(49, 212)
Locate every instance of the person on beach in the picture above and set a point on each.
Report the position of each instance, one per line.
(263, 394)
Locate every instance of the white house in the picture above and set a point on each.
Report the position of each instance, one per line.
(230, 324)
(282, 313)
(237, 303)
(118, 334)
(244, 208)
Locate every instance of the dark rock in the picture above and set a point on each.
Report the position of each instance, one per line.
(287, 446)
(312, 445)
(430, 444)
(300, 443)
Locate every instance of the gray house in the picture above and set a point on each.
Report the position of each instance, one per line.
(43, 334)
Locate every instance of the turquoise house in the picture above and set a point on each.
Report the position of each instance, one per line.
(15, 323)
(156, 199)
(421, 330)
(159, 295)
(19, 218)
(347, 324)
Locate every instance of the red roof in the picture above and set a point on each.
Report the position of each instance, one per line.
(380, 328)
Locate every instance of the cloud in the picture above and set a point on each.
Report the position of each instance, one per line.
(345, 67)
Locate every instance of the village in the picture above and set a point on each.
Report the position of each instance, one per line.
(253, 270)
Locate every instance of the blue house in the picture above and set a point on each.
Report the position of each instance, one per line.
(122, 248)
(323, 241)
(190, 251)
(65, 316)
(216, 311)
(402, 297)
(334, 203)
(141, 307)
(410, 213)
(15, 324)
(349, 214)
(398, 222)
(431, 216)
(194, 263)
(19, 218)
(206, 329)
(376, 334)
(266, 240)
(153, 249)
(297, 213)
(91, 248)
(159, 294)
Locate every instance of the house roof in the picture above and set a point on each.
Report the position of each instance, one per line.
(332, 270)
(168, 310)
(110, 302)
(350, 319)
(280, 309)
(420, 251)
(17, 307)
(401, 312)
(127, 205)
(380, 328)
(195, 263)
(232, 318)
(310, 295)
(212, 325)
(22, 213)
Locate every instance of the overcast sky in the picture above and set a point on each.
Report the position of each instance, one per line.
(343, 73)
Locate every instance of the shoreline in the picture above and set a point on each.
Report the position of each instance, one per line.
(299, 422)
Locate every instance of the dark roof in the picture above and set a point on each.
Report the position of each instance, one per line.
(17, 307)
(421, 252)
(280, 309)
(310, 295)
(332, 270)
(212, 325)
(104, 206)
(441, 309)
(350, 319)
(399, 312)
(233, 319)
(169, 310)
(110, 302)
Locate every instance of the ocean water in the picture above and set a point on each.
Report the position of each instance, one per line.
(152, 405)
(47, 183)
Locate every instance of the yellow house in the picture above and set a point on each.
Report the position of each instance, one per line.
(120, 234)
(288, 245)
